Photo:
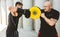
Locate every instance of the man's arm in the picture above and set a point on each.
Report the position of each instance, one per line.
(13, 11)
(51, 21)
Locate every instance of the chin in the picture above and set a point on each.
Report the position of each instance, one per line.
(45, 10)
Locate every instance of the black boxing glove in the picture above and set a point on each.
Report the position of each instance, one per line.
(27, 13)
(20, 12)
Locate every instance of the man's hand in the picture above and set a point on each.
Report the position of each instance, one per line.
(43, 15)
(13, 11)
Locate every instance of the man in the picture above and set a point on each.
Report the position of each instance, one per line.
(13, 21)
(49, 17)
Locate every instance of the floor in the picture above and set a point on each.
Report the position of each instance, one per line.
(22, 33)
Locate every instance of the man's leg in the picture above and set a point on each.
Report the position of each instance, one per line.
(16, 34)
(56, 35)
(10, 34)
(39, 34)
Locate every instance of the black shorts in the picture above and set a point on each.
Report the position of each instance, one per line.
(39, 34)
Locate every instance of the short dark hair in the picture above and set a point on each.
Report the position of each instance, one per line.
(18, 3)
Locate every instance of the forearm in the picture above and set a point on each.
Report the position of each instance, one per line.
(14, 13)
(49, 21)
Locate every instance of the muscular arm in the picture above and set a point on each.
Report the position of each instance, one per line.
(51, 21)
(16, 11)
(13, 11)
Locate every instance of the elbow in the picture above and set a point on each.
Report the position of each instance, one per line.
(51, 24)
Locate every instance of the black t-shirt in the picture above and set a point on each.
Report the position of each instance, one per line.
(13, 21)
(46, 30)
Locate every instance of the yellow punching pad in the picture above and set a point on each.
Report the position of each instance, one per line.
(35, 12)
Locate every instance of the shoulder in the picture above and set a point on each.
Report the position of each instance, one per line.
(55, 14)
(55, 11)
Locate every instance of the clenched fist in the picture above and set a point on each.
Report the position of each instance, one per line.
(43, 15)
